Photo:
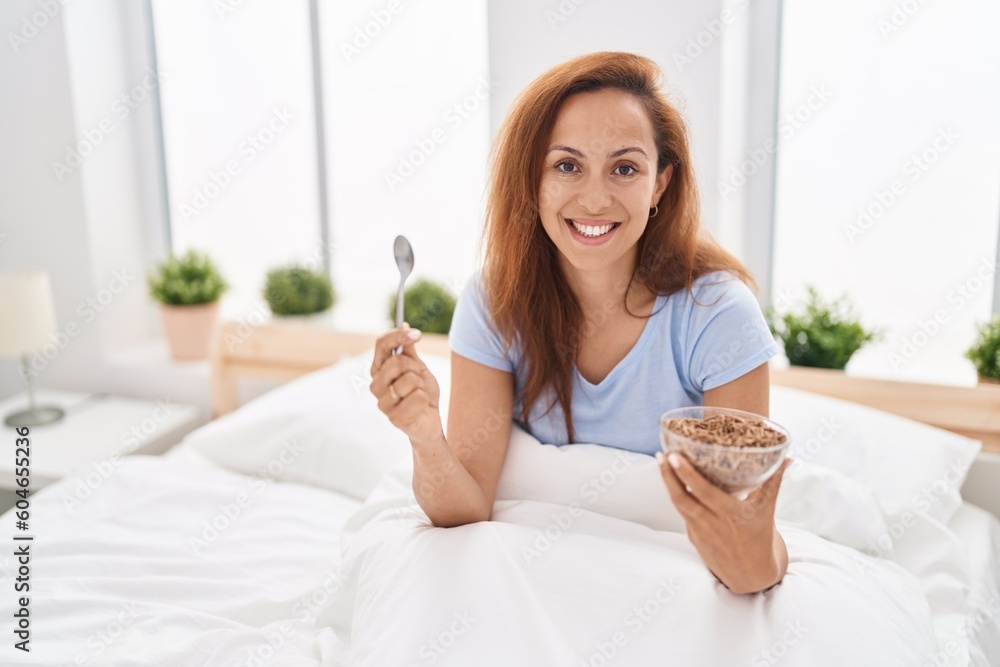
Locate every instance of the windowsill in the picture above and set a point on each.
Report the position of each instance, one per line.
(154, 355)
(948, 374)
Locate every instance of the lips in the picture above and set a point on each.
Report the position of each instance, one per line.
(592, 228)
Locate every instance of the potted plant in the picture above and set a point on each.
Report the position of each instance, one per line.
(298, 291)
(188, 288)
(427, 306)
(826, 335)
(985, 352)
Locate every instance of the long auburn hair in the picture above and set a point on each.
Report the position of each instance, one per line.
(529, 298)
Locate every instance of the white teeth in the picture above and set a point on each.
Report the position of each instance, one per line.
(587, 230)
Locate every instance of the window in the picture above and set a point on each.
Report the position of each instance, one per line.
(406, 124)
(239, 136)
(888, 176)
(407, 115)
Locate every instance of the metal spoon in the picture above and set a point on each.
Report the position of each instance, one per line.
(404, 260)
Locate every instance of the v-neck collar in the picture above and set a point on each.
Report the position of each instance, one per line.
(633, 354)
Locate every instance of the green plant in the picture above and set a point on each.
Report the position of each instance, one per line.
(824, 336)
(427, 306)
(985, 352)
(188, 280)
(297, 290)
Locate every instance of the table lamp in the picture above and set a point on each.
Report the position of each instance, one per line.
(27, 320)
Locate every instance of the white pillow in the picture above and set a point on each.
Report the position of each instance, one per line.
(323, 429)
(909, 466)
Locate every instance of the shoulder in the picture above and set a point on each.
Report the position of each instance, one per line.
(717, 289)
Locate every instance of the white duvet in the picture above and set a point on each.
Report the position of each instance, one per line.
(586, 563)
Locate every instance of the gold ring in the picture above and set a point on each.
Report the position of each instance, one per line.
(392, 391)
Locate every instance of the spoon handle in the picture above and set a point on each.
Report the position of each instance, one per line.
(399, 314)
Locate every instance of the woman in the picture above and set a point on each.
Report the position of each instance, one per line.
(601, 305)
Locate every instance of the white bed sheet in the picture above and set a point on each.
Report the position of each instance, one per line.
(119, 581)
(980, 533)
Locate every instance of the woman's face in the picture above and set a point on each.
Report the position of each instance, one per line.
(599, 179)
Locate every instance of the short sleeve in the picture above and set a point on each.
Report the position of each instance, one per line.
(472, 333)
(727, 336)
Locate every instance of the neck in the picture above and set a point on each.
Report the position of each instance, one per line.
(599, 289)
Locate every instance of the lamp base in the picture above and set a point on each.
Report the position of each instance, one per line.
(45, 414)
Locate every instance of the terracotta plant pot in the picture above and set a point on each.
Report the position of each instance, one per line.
(189, 329)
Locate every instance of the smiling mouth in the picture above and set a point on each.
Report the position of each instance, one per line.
(592, 231)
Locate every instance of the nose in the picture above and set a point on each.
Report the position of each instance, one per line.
(594, 196)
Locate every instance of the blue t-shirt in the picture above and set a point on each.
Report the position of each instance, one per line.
(684, 350)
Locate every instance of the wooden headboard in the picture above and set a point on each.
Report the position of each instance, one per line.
(286, 350)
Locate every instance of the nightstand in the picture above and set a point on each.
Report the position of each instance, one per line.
(97, 429)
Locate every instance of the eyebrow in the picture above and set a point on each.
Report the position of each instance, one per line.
(611, 156)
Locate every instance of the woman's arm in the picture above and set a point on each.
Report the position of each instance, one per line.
(455, 478)
(750, 392)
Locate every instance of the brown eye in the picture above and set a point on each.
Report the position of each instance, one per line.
(626, 166)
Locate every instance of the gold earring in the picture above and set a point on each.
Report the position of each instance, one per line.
(655, 209)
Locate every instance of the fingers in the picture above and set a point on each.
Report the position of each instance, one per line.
(390, 340)
(768, 492)
(394, 368)
(403, 386)
(707, 493)
(407, 412)
(685, 502)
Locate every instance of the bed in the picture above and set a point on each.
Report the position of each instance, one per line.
(284, 533)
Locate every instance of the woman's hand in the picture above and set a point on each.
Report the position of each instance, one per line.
(737, 539)
(406, 390)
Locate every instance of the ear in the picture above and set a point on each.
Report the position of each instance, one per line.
(662, 180)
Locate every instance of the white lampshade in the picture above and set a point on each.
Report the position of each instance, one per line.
(27, 315)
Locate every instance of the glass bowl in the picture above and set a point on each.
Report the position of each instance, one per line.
(735, 470)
